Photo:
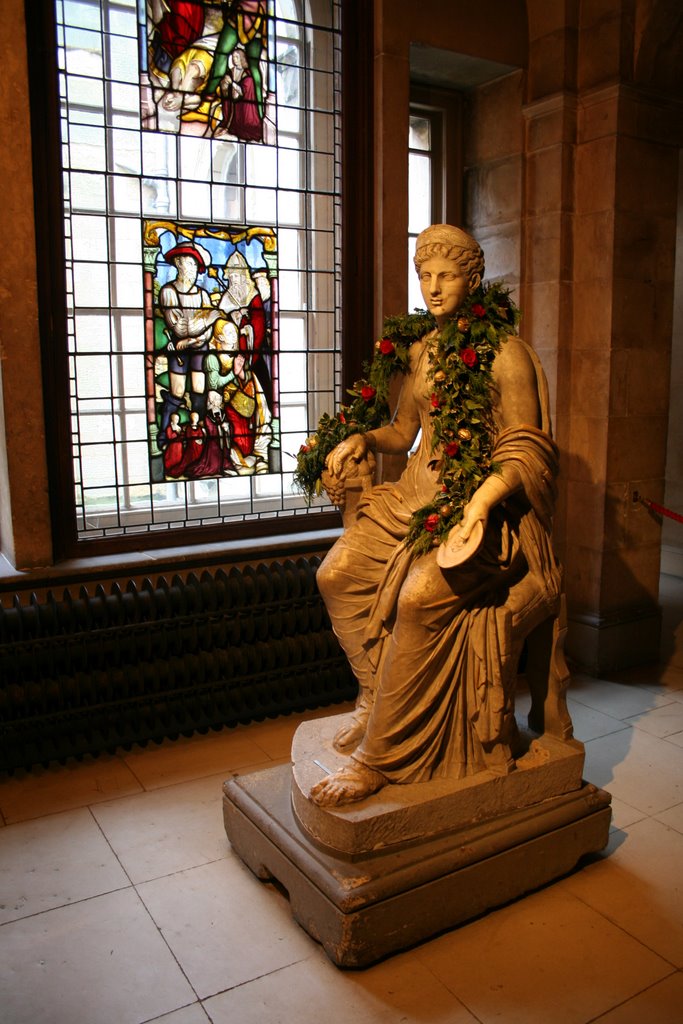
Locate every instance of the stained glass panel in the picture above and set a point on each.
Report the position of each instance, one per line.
(207, 70)
(153, 345)
(213, 372)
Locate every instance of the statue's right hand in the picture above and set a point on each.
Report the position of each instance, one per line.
(351, 449)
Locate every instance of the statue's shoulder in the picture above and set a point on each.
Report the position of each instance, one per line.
(514, 360)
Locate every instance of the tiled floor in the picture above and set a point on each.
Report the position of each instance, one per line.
(121, 901)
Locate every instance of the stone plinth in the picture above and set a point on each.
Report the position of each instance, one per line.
(400, 814)
(393, 886)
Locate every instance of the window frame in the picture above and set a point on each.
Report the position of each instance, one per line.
(443, 108)
(356, 264)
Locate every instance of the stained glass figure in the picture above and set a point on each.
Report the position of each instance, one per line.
(211, 380)
(207, 69)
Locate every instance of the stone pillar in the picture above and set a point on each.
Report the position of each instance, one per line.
(599, 220)
(392, 101)
(624, 246)
(25, 532)
(546, 292)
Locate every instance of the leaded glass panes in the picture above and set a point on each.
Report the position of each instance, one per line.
(208, 69)
(201, 172)
(212, 301)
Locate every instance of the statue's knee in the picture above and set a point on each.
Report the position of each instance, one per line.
(410, 603)
(324, 576)
(328, 574)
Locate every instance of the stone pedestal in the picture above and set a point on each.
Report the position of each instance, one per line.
(373, 878)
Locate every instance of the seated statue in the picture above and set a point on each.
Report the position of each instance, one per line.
(434, 630)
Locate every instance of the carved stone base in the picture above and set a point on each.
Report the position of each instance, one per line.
(368, 907)
(545, 767)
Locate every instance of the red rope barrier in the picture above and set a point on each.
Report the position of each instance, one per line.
(660, 509)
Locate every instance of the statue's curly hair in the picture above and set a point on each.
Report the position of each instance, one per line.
(452, 244)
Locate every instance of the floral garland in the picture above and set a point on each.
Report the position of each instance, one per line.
(461, 356)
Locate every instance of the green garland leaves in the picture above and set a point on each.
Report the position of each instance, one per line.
(369, 407)
(461, 356)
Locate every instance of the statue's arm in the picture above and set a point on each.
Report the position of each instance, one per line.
(394, 439)
(514, 379)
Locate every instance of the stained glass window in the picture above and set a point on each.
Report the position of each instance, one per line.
(201, 178)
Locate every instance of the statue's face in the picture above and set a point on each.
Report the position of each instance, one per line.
(444, 287)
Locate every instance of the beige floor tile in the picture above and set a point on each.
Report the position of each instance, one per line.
(194, 1014)
(39, 869)
(274, 736)
(676, 739)
(624, 815)
(643, 771)
(196, 757)
(660, 1004)
(546, 958)
(589, 724)
(101, 961)
(225, 927)
(662, 721)
(166, 830)
(638, 887)
(618, 700)
(673, 817)
(64, 787)
(314, 990)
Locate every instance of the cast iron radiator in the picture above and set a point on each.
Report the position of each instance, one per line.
(95, 671)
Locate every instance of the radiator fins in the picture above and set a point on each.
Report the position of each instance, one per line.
(91, 672)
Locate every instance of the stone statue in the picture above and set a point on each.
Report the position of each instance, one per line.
(434, 637)
(438, 583)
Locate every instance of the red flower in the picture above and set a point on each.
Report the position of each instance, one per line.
(304, 449)
(469, 357)
(479, 310)
(367, 392)
(431, 521)
(452, 449)
(342, 417)
(435, 400)
(386, 347)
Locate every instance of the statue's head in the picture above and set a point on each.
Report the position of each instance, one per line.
(451, 243)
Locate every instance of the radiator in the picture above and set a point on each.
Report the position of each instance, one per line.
(93, 671)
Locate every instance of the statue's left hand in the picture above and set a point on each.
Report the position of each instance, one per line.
(465, 539)
(474, 512)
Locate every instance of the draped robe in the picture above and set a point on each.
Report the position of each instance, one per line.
(435, 651)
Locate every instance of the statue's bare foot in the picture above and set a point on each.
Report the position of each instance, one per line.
(349, 735)
(353, 782)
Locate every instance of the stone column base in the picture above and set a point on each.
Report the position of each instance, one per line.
(598, 645)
